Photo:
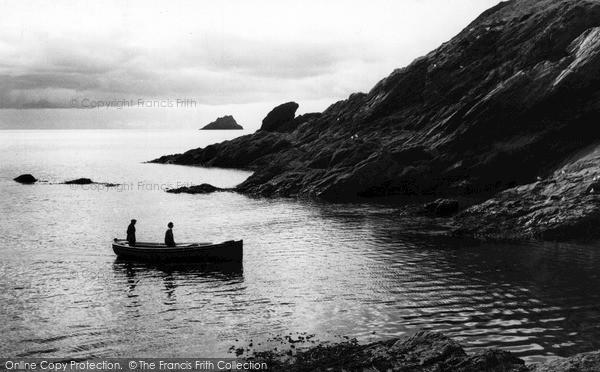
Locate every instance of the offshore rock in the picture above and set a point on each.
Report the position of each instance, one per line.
(25, 179)
(80, 181)
(225, 122)
(87, 181)
(204, 188)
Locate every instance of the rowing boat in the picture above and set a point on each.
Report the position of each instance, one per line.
(231, 250)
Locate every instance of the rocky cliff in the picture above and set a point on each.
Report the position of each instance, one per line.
(224, 122)
(506, 102)
(564, 205)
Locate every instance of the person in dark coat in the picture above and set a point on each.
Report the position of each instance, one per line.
(131, 233)
(169, 240)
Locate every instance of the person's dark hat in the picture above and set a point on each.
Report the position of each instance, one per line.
(134, 220)
(170, 224)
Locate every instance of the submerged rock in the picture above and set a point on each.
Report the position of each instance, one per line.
(225, 122)
(25, 179)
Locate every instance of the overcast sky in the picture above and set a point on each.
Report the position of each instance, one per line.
(214, 52)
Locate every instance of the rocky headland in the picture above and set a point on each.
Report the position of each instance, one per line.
(224, 122)
(505, 111)
(421, 352)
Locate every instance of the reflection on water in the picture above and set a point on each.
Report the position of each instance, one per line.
(354, 270)
(359, 270)
(175, 277)
(220, 270)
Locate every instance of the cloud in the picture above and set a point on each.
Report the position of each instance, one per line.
(213, 68)
(213, 52)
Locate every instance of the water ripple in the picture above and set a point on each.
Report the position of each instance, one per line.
(360, 270)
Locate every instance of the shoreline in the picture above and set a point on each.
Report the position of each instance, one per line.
(423, 351)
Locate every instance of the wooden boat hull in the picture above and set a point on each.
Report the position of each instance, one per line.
(227, 251)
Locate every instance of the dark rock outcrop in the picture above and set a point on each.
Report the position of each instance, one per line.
(80, 181)
(584, 362)
(87, 181)
(26, 179)
(509, 99)
(422, 352)
(225, 122)
(29, 179)
(562, 206)
(250, 151)
(204, 188)
(279, 117)
(441, 207)
(291, 125)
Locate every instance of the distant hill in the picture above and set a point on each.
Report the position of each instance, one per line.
(225, 122)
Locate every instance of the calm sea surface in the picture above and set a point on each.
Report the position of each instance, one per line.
(356, 270)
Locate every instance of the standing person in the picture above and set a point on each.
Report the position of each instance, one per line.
(169, 240)
(131, 233)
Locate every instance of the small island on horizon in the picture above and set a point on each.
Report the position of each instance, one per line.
(224, 122)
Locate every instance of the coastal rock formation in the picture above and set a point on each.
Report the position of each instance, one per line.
(279, 116)
(204, 188)
(25, 179)
(80, 181)
(249, 151)
(29, 179)
(565, 205)
(508, 100)
(421, 352)
(224, 122)
(584, 362)
(498, 105)
(441, 207)
(87, 181)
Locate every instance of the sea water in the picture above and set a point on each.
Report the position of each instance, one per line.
(358, 270)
